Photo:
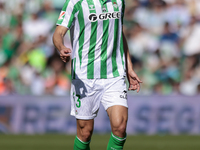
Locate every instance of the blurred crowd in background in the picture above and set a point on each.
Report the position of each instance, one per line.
(163, 38)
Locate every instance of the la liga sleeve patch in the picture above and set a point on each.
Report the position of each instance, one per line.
(62, 15)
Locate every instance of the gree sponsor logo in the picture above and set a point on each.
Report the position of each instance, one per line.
(104, 16)
(93, 17)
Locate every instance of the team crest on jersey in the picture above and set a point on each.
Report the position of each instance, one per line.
(62, 14)
(115, 4)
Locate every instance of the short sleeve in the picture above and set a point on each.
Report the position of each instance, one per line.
(66, 17)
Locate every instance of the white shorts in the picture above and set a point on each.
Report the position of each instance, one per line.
(87, 94)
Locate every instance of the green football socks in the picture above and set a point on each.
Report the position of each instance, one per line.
(80, 145)
(116, 143)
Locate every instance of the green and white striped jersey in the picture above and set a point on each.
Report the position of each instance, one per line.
(96, 37)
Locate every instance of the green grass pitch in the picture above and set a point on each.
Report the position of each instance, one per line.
(99, 142)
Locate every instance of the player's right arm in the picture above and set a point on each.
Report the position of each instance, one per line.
(58, 40)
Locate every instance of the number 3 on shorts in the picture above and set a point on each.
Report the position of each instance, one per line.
(77, 100)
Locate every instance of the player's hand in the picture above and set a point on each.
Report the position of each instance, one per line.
(134, 81)
(65, 54)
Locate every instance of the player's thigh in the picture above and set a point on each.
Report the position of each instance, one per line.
(118, 116)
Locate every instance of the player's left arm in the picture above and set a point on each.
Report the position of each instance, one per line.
(134, 81)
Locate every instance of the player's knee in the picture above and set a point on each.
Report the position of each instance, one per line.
(86, 134)
(84, 130)
(119, 129)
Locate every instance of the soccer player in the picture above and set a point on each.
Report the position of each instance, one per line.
(100, 62)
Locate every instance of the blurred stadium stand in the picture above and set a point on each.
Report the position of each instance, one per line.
(163, 38)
